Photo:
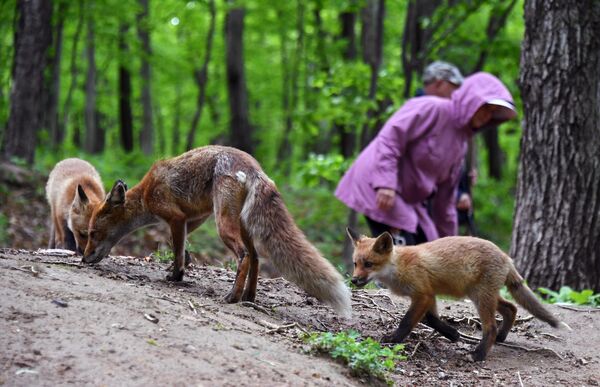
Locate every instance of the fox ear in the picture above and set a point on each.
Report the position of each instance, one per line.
(384, 243)
(83, 199)
(354, 236)
(116, 195)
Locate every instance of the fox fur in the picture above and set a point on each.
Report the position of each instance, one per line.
(453, 266)
(250, 215)
(73, 189)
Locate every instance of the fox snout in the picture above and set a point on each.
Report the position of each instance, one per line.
(93, 256)
(360, 281)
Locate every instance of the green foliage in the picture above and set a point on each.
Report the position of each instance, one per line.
(567, 295)
(366, 357)
(322, 170)
(4, 240)
(163, 255)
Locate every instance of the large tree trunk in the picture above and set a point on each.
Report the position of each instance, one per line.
(557, 216)
(241, 130)
(32, 39)
(201, 75)
(94, 135)
(147, 132)
(125, 115)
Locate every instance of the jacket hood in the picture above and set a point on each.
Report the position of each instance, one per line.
(477, 90)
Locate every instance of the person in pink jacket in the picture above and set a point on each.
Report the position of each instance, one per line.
(416, 159)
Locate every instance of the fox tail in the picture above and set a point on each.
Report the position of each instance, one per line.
(275, 234)
(527, 299)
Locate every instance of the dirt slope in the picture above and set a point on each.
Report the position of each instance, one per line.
(62, 322)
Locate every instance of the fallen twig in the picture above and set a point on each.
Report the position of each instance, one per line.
(255, 306)
(192, 307)
(520, 380)
(375, 306)
(514, 346)
(589, 310)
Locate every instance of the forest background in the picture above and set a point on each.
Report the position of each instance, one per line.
(301, 85)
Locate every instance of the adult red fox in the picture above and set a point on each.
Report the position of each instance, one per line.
(250, 216)
(74, 187)
(454, 266)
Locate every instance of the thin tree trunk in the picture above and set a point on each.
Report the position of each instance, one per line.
(349, 53)
(176, 120)
(557, 216)
(201, 76)
(32, 39)
(125, 115)
(372, 41)
(241, 130)
(52, 121)
(94, 136)
(290, 79)
(74, 71)
(415, 39)
(496, 22)
(147, 132)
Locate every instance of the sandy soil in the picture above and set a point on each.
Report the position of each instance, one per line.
(120, 323)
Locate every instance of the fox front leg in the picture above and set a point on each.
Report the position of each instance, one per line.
(418, 308)
(178, 233)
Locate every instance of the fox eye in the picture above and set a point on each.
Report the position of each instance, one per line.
(83, 234)
(354, 264)
(368, 264)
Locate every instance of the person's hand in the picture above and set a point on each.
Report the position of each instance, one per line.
(385, 198)
(464, 202)
(473, 176)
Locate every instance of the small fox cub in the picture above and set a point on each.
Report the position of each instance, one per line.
(250, 215)
(453, 266)
(73, 189)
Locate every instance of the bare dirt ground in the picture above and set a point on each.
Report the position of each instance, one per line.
(120, 323)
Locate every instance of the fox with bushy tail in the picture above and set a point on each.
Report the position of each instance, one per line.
(250, 215)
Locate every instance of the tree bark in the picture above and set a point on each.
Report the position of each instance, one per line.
(125, 115)
(147, 132)
(32, 39)
(241, 130)
(201, 76)
(94, 135)
(557, 216)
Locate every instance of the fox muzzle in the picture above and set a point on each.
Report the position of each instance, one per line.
(360, 281)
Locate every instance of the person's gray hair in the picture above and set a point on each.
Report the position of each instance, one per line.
(443, 71)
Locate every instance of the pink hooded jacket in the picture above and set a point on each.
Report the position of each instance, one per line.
(418, 153)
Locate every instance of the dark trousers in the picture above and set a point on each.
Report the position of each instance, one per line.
(406, 238)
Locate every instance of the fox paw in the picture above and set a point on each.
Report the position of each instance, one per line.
(390, 338)
(175, 276)
(231, 298)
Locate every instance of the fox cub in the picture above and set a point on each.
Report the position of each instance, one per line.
(73, 189)
(453, 266)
